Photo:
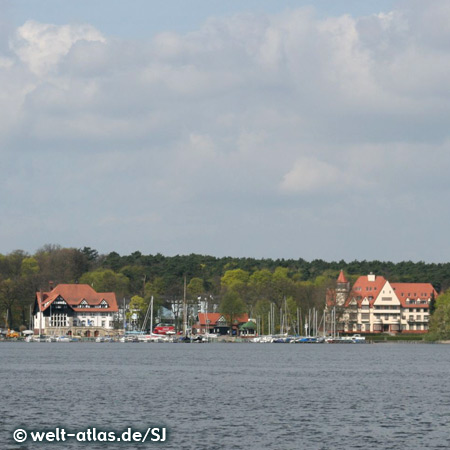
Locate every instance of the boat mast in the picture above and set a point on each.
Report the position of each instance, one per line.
(184, 308)
(151, 315)
(40, 312)
(124, 323)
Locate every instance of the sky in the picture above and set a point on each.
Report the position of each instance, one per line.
(259, 128)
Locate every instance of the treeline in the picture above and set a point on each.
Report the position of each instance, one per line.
(257, 282)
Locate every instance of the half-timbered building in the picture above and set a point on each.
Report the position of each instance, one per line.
(76, 310)
(374, 305)
(217, 323)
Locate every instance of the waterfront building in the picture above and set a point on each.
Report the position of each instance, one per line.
(75, 310)
(374, 305)
(217, 323)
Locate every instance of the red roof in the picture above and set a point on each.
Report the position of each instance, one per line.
(74, 294)
(415, 292)
(341, 278)
(363, 288)
(212, 318)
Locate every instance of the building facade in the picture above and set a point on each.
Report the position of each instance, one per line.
(75, 310)
(374, 305)
(217, 323)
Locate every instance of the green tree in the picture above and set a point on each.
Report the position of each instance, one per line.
(262, 309)
(9, 295)
(283, 286)
(232, 306)
(139, 307)
(439, 325)
(261, 285)
(60, 265)
(29, 267)
(291, 315)
(195, 288)
(137, 278)
(105, 280)
(234, 278)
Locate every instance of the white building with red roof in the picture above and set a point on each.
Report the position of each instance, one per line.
(76, 310)
(374, 305)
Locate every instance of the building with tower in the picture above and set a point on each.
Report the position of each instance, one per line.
(374, 305)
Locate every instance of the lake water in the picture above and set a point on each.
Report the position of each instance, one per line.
(223, 396)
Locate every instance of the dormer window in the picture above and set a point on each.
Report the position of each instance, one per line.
(104, 304)
(84, 304)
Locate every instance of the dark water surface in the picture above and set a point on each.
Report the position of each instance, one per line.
(243, 396)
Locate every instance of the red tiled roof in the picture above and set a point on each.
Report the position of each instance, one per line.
(363, 288)
(414, 291)
(214, 317)
(74, 294)
(341, 278)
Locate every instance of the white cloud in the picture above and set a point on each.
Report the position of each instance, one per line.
(310, 174)
(41, 46)
(224, 121)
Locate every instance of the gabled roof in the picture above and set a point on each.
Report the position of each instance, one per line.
(213, 318)
(414, 291)
(74, 294)
(363, 288)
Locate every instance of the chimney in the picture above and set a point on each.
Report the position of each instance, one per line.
(50, 284)
(371, 277)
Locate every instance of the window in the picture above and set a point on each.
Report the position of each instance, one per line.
(58, 320)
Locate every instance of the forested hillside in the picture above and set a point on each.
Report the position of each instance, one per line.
(258, 282)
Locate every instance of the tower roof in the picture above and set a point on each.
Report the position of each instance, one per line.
(341, 278)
